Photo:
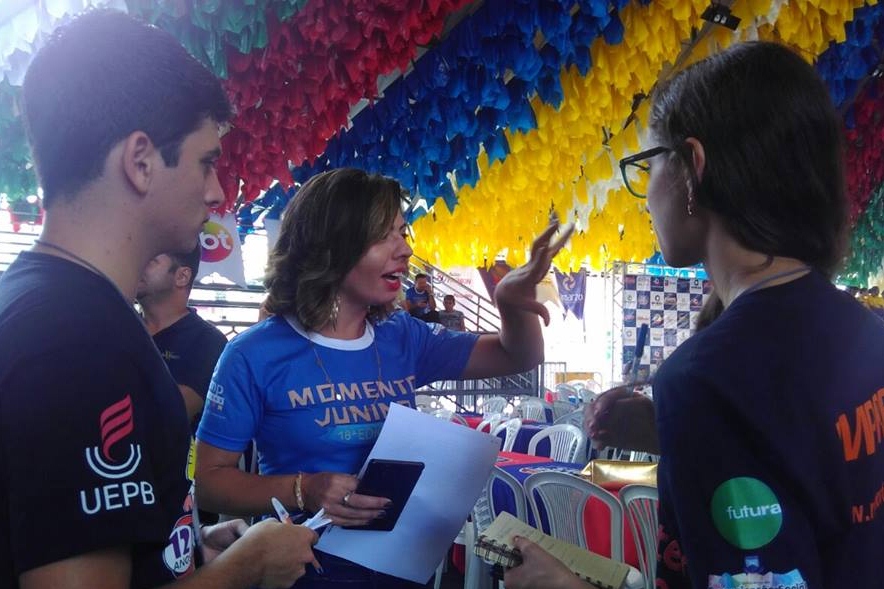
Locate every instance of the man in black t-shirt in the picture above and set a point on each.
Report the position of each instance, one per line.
(189, 344)
(124, 127)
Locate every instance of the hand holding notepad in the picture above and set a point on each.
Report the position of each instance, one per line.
(495, 545)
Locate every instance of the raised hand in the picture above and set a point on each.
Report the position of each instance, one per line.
(518, 289)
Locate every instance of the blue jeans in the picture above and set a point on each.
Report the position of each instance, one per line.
(343, 574)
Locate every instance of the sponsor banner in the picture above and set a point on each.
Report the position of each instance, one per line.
(222, 252)
(572, 293)
(668, 303)
(493, 275)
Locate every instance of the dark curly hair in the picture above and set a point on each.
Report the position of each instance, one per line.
(326, 228)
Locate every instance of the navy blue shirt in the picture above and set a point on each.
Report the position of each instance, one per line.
(93, 432)
(191, 347)
(770, 424)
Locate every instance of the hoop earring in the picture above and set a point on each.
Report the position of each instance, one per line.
(333, 314)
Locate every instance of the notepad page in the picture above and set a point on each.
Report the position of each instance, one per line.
(597, 569)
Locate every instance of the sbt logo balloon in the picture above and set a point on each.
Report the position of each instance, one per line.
(216, 241)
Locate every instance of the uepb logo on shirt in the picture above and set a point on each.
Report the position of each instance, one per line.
(115, 424)
(746, 512)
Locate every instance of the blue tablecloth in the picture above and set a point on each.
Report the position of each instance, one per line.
(526, 432)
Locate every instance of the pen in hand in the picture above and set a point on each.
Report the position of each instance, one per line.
(284, 516)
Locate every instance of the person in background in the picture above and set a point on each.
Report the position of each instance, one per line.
(124, 127)
(770, 470)
(449, 317)
(419, 300)
(189, 344)
(312, 385)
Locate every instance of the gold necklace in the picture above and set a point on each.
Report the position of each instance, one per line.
(377, 355)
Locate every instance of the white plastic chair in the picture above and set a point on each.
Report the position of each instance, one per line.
(477, 574)
(640, 502)
(636, 456)
(514, 486)
(565, 391)
(575, 418)
(564, 498)
(491, 421)
(494, 405)
(535, 408)
(426, 403)
(449, 415)
(567, 443)
(561, 408)
(512, 427)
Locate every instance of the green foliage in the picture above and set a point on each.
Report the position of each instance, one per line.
(866, 243)
(17, 176)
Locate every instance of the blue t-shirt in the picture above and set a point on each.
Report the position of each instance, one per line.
(317, 404)
(415, 298)
(770, 424)
(93, 432)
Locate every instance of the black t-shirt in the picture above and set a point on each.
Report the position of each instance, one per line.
(191, 347)
(770, 424)
(93, 433)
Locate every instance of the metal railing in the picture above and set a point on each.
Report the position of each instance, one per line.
(468, 394)
(480, 314)
(12, 244)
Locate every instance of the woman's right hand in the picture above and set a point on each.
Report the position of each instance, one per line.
(336, 493)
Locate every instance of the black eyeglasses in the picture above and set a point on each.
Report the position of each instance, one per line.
(639, 170)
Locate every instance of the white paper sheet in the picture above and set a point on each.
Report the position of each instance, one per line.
(458, 461)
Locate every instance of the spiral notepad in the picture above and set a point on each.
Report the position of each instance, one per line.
(495, 545)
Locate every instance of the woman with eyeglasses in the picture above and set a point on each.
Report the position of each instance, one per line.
(771, 420)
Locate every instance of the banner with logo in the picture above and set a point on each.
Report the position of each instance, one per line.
(572, 292)
(491, 276)
(669, 306)
(469, 278)
(222, 252)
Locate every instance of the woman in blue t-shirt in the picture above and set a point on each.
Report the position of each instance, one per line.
(767, 421)
(313, 383)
